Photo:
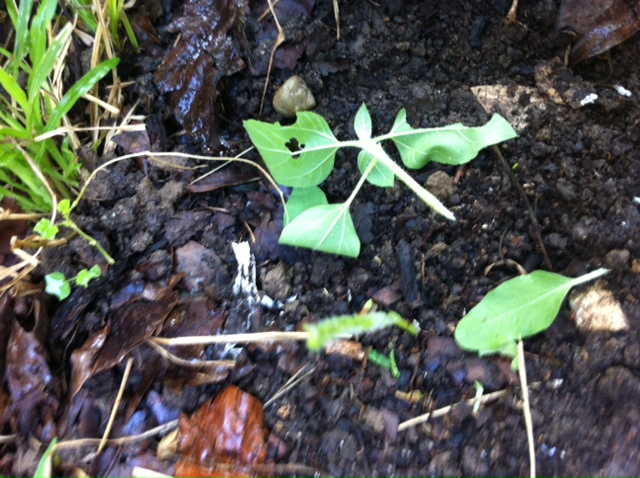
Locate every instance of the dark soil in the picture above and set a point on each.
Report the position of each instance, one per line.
(578, 166)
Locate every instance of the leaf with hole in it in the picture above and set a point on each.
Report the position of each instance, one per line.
(302, 199)
(333, 328)
(455, 144)
(300, 155)
(380, 175)
(328, 228)
(516, 309)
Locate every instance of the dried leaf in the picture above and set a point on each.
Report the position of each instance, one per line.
(599, 24)
(230, 430)
(209, 49)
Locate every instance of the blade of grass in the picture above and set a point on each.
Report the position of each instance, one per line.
(20, 20)
(38, 33)
(43, 69)
(83, 86)
(12, 87)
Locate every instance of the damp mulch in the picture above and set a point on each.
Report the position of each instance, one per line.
(563, 196)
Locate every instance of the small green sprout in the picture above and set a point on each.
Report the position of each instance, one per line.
(302, 156)
(333, 328)
(385, 362)
(516, 309)
(58, 285)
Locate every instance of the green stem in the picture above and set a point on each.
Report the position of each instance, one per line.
(378, 152)
(72, 225)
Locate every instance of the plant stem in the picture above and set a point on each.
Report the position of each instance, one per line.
(590, 276)
(72, 225)
(378, 152)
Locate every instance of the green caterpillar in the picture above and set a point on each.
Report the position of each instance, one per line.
(328, 330)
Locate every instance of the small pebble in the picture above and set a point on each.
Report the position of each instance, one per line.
(293, 96)
(617, 259)
(441, 185)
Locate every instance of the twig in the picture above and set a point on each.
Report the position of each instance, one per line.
(443, 411)
(281, 38)
(116, 405)
(232, 338)
(532, 216)
(291, 383)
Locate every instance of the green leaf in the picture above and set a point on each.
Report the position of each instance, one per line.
(12, 87)
(362, 123)
(82, 87)
(328, 330)
(57, 285)
(380, 175)
(44, 465)
(302, 199)
(42, 70)
(85, 275)
(516, 309)
(64, 207)
(455, 144)
(45, 229)
(327, 228)
(301, 155)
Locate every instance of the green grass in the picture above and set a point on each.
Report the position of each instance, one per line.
(38, 173)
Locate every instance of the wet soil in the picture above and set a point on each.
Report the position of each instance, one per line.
(577, 165)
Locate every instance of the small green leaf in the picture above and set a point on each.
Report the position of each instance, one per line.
(516, 309)
(455, 144)
(328, 330)
(57, 285)
(302, 199)
(300, 155)
(362, 123)
(85, 275)
(64, 207)
(45, 229)
(380, 175)
(327, 228)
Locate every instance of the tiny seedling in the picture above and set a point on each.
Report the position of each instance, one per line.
(302, 156)
(328, 330)
(58, 285)
(516, 309)
(382, 361)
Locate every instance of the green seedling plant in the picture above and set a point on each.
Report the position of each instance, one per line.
(516, 309)
(302, 156)
(56, 282)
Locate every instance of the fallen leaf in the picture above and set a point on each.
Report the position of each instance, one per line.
(599, 25)
(208, 50)
(228, 430)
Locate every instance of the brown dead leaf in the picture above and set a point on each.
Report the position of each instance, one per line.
(130, 326)
(208, 50)
(599, 25)
(31, 386)
(228, 430)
